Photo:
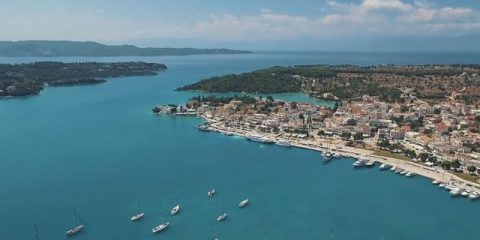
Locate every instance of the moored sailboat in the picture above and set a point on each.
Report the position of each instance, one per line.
(139, 214)
(78, 227)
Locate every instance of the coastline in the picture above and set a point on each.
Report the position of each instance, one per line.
(354, 153)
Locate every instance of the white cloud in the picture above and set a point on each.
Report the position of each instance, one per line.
(367, 18)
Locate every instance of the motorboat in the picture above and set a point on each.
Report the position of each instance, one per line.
(370, 164)
(160, 227)
(222, 217)
(384, 166)
(358, 163)
(175, 210)
(442, 185)
(403, 172)
(465, 193)
(409, 174)
(393, 169)
(474, 195)
(455, 192)
(211, 193)
(435, 182)
(243, 203)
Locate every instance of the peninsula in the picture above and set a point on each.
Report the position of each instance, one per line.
(30, 78)
(349, 82)
(36, 48)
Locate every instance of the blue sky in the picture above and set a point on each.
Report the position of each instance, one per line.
(362, 25)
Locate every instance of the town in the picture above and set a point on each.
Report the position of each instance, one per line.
(440, 141)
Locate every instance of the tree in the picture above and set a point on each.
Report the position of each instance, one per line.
(456, 164)
(346, 135)
(351, 122)
(358, 136)
(423, 156)
(321, 133)
(471, 168)
(403, 109)
(447, 165)
(437, 111)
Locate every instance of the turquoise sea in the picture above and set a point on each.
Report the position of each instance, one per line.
(98, 149)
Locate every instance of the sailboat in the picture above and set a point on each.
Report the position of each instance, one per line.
(211, 192)
(78, 227)
(139, 214)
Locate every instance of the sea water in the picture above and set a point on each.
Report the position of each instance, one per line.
(100, 150)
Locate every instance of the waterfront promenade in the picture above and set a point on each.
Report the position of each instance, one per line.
(323, 144)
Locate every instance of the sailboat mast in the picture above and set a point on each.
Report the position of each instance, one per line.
(36, 232)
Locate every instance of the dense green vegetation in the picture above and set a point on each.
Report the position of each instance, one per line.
(72, 48)
(271, 80)
(350, 82)
(30, 78)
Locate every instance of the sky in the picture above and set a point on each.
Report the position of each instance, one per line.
(337, 25)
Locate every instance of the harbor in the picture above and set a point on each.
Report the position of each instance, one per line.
(320, 145)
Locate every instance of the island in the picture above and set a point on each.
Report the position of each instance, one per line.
(350, 82)
(30, 78)
(93, 49)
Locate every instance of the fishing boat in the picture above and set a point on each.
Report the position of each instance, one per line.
(139, 214)
(222, 217)
(175, 210)
(160, 227)
(78, 227)
(243, 203)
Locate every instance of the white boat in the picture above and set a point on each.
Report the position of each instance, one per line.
(175, 210)
(243, 203)
(474, 195)
(336, 155)
(403, 172)
(442, 185)
(358, 163)
(435, 182)
(137, 217)
(283, 144)
(398, 170)
(78, 227)
(370, 164)
(327, 156)
(139, 214)
(455, 192)
(409, 174)
(211, 193)
(384, 166)
(465, 193)
(222, 217)
(393, 169)
(160, 227)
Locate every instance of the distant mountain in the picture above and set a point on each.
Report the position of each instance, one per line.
(35, 48)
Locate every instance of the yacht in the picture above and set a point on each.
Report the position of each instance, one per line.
(358, 163)
(403, 172)
(258, 138)
(284, 144)
(139, 214)
(474, 195)
(160, 227)
(370, 164)
(455, 192)
(409, 174)
(243, 203)
(78, 227)
(175, 210)
(211, 193)
(384, 166)
(222, 217)
(465, 193)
